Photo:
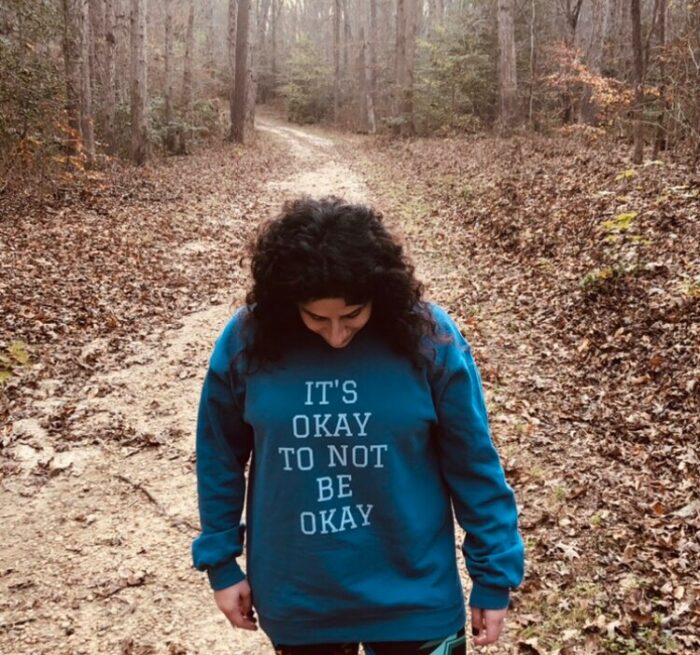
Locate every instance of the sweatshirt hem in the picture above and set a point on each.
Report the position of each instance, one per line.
(404, 626)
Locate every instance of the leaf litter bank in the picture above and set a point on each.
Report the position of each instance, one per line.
(109, 260)
(577, 278)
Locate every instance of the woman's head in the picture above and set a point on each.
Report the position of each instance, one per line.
(330, 266)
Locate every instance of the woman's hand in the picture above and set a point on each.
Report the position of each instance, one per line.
(235, 602)
(487, 625)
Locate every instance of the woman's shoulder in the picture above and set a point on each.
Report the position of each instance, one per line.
(447, 330)
(234, 337)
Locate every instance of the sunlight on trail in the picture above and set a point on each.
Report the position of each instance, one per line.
(116, 516)
(320, 171)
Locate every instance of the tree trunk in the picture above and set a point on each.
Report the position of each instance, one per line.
(347, 40)
(406, 25)
(209, 57)
(87, 121)
(110, 68)
(187, 82)
(588, 109)
(98, 46)
(336, 59)
(241, 83)
(276, 10)
(507, 79)
(370, 124)
(372, 46)
(660, 138)
(139, 129)
(637, 53)
(253, 66)
(572, 15)
(531, 90)
(72, 16)
(232, 23)
(168, 91)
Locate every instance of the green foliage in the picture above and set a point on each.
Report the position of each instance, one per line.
(454, 81)
(627, 174)
(29, 75)
(308, 91)
(204, 124)
(621, 222)
(31, 85)
(11, 358)
(594, 280)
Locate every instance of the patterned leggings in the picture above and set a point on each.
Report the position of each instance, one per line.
(453, 645)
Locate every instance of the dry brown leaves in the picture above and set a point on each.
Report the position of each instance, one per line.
(583, 299)
(119, 254)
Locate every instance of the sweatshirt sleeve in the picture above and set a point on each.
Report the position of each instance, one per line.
(484, 503)
(224, 444)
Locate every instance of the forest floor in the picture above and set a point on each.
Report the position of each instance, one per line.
(575, 276)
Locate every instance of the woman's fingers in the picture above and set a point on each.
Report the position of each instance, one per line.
(487, 625)
(246, 605)
(236, 604)
(240, 620)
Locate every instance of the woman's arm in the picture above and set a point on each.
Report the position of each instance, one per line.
(224, 445)
(484, 503)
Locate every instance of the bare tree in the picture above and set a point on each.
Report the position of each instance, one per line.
(406, 26)
(336, 59)
(187, 81)
(168, 74)
(110, 73)
(274, 22)
(139, 129)
(87, 120)
(97, 47)
(76, 57)
(242, 81)
(660, 138)
(369, 120)
(594, 57)
(507, 78)
(232, 24)
(638, 67)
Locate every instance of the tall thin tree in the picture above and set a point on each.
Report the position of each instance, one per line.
(507, 76)
(336, 59)
(187, 75)
(638, 68)
(406, 26)
(240, 92)
(72, 35)
(139, 129)
(660, 138)
(168, 81)
(232, 26)
(87, 120)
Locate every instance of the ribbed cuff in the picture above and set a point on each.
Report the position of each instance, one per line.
(225, 575)
(489, 598)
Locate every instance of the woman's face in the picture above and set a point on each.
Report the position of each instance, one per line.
(333, 320)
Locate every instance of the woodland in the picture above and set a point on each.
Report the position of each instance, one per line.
(539, 159)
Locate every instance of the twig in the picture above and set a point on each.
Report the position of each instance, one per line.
(11, 624)
(180, 524)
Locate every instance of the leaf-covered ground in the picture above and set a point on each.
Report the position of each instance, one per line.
(575, 276)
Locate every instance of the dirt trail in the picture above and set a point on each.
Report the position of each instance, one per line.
(96, 559)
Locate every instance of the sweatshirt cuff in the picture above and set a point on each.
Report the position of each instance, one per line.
(489, 598)
(225, 575)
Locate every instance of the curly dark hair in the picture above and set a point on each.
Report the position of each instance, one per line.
(329, 248)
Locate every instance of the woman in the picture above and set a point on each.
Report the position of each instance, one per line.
(361, 412)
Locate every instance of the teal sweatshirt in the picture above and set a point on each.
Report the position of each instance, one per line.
(357, 460)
